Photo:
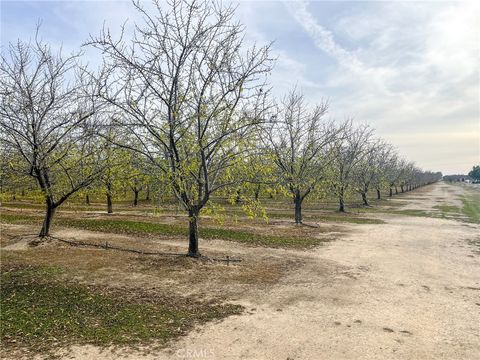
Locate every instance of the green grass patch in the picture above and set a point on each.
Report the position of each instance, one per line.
(414, 212)
(448, 211)
(42, 312)
(258, 239)
(348, 218)
(471, 207)
(73, 207)
(22, 205)
(139, 227)
(471, 210)
(18, 218)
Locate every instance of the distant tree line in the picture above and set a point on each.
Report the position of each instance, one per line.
(473, 176)
(182, 107)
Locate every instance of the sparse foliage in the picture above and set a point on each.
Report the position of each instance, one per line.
(46, 109)
(299, 140)
(187, 90)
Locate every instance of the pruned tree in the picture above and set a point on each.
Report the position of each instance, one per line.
(299, 140)
(385, 155)
(187, 90)
(368, 170)
(393, 173)
(138, 174)
(349, 150)
(406, 175)
(419, 178)
(114, 173)
(45, 110)
(411, 181)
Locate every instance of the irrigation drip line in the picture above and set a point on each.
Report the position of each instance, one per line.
(107, 246)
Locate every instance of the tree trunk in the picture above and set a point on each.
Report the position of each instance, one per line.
(364, 199)
(193, 234)
(147, 196)
(238, 199)
(257, 192)
(108, 193)
(48, 219)
(396, 190)
(379, 195)
(298, 207)
(401, 189)
(109, 203)
(391, 192)
(135, 198)
(341, 202)
(87, 199)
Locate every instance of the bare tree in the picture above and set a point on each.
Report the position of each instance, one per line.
(349, 151)
(114, 160)
(188, 91)
(394, 173)
(406, 175)
(413, 177)
(139, 173)
(299, 139)
(44, 110)
(366, 170)
(384, 156)
(370, 171)
(110, 175)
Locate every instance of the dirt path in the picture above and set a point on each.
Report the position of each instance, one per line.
(408, 289)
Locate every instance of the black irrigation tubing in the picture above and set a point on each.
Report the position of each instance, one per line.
(13, 237)
(316, 226)
(106, 246)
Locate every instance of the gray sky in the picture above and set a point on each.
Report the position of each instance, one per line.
(410, 69)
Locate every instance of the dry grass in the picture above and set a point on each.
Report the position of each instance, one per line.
(183, 288)
(93, 265)
(42, 311)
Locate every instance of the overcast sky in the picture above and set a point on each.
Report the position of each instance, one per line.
(410, 69)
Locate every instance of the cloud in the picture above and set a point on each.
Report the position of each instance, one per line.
(289, 71)
(323, 38)
(413, 74)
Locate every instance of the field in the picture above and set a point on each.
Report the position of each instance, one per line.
(401, 275)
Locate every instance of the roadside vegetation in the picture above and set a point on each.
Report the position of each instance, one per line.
(471, 206)
(469, 211)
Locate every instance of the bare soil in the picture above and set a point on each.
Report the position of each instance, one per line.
(406, 289)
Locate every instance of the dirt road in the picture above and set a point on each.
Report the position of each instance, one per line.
(407, 289)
